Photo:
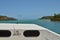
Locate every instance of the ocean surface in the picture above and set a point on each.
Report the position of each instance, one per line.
(53, 26)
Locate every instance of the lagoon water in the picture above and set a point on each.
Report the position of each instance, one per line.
(53, 26)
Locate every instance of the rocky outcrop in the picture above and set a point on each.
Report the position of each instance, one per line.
(56, 17)
(6, 18)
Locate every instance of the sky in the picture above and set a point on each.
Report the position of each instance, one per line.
(29, 9)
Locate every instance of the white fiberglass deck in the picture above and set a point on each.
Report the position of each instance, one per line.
(17, 32)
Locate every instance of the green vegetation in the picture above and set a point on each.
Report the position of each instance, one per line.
(56, 17)
(6, 18)
(46, 17)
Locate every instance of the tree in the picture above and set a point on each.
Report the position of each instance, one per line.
(54, 15)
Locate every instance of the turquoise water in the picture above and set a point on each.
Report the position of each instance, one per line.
(54, 26)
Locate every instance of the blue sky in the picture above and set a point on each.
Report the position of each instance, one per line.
(29, 9)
